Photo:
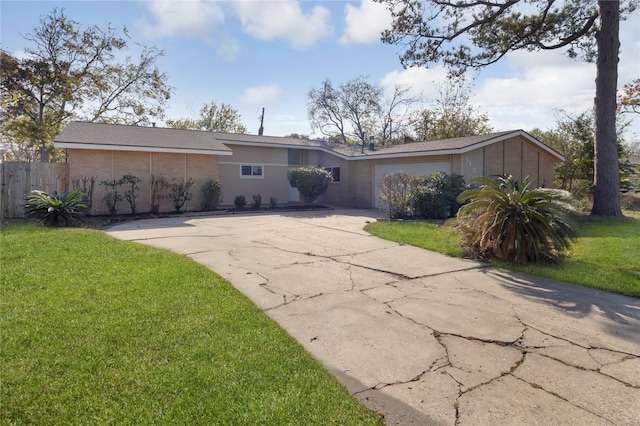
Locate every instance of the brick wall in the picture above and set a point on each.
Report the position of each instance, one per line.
(112, 165)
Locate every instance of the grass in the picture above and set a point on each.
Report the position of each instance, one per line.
(100, 331)
(605, 256)
(427, 235)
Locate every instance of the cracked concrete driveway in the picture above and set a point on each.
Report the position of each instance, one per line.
(420, 337)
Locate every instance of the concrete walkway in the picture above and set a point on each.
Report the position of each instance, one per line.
(417, 336)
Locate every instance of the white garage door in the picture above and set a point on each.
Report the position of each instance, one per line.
(418, 169)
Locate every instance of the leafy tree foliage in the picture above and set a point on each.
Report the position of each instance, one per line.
(297, 136)
(451, 116)
(470, 33)
(356, 110)
(629, 99)
(506, 220)
(311, 182)
(574, 138)
(213, 118)
(74, 73)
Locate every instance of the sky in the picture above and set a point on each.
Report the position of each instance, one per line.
(255, 54)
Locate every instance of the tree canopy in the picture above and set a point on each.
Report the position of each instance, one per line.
(68, 72)
(213, 118)
(452, 115)
(469, 33)
(629, 99)
(358, 109)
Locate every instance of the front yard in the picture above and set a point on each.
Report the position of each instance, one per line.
(99, 331)
(605, 256)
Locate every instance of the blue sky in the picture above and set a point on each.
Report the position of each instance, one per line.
(255, 54)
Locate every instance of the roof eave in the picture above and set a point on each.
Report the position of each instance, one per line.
(98, 147)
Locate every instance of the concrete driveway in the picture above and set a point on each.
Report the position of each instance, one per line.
(417, 336)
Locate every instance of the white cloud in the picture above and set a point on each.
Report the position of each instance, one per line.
(284, 19)
(226, 47)
(22, 55)
(538, 86)
(364, 24)
(423, 82)
(180, 17)
(260, 94)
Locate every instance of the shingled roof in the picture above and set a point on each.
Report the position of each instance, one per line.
(119, 137)
(138, 138)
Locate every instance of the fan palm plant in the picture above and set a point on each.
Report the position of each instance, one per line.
(506, 220)
(54, 209)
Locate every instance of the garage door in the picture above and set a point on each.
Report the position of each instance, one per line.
(418, 169)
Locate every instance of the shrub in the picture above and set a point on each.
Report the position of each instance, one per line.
(85, 184)
(111, 197)
(273, 203)
(240, 201)
(131, 191)
(630, 201)
(429, 203)
(395, 193)
(506, 220)
(311, 182)
(54, 209)
(179, 192)
(211, 195)
(158, 185)
(257, 201)
(435, 196)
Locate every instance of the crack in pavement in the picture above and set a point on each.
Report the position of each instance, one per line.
(502, 340)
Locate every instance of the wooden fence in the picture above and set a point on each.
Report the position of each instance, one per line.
(17, 180)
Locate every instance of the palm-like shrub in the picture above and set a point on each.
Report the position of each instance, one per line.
(54, 209)
(506, 220)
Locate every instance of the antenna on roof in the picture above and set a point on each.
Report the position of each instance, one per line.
(261, 129)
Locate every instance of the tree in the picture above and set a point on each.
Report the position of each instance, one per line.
(574, 138)
(470, 33)
(297, 136)
(451, 116)
(325, 111)
(629, 99)
(213, 118)
(357, 110)
(73, 73)
(311, 182)
(395, 113)
(355, 103)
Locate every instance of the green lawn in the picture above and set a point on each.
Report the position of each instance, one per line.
(99, 331)
(605, 256)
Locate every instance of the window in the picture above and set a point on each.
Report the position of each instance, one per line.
(335, 173)
(295, 156)
(251, 171)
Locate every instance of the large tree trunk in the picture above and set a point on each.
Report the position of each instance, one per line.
(606, 177)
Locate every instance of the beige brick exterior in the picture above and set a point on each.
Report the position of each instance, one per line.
(112, 165)
(493, 160)
(272, 184)
(517, 156)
